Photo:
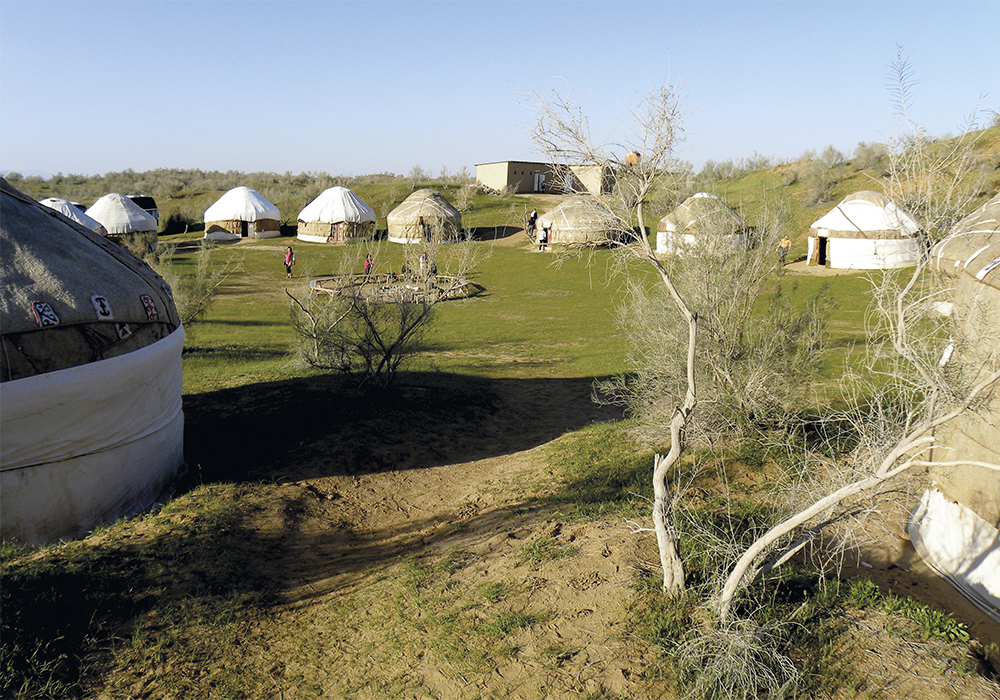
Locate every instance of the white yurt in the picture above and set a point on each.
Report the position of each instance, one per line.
(698, 217)
(69, 210)
(90, 377)
(866, 231)
(424, 216)
(579, 220)
(337, 215)
(123, 218)
(239, 213)
(954, 527)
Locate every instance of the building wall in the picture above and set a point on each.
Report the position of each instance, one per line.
(559, 179)
(520, 175)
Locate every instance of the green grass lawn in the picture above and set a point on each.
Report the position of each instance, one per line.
(535, 316)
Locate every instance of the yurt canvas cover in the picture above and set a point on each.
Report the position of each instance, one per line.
(866, 231)
(700, 215)
(424, 216)
(579, 220)
(124, 218)
(239, 213)
(335, 216)
(68, 210)
(90, 377)
(954, 528)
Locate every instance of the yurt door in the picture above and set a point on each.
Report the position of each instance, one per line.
(539, 181)
(244, 229)
(823, 242)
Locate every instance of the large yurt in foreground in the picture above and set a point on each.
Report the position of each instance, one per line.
(240, 213)
(337, 215)
(866, 231)
(579, 220)
(69, 210)
(90, 377)
(123, 219)
(699, 218)
(424, 216)
(955, 525)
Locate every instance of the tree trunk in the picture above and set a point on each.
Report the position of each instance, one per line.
(666, 535)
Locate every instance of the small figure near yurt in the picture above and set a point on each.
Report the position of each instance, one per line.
(90, 377)
(124, 219)
(866, 231)
(242, 213)
(701, 220)
(954, 526)
(71, 211)
(578, 220)
(424, 216)
(337, 215)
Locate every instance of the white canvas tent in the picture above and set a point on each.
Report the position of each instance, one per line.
(337, 215)
(954, 527)
(699, 217)
(90, 377)
(69, 210)
(239, 213)
(124, 218)
(866, 231)
(579, 220)
(424, 216)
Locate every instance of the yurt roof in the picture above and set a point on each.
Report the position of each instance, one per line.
(867, 214)
(242, 204)
(68, 210)
(335, 205)
(119, 214)
(973, 246)
(424, 203)
(578, 211)
(52, 263)
(702, 209)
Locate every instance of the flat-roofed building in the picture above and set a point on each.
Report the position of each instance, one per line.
(522, 177)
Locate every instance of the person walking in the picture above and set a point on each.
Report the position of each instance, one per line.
(532, 219)
(783, 247)
(368, 264)
(289, 261)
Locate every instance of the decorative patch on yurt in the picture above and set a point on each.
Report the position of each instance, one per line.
(45, 315)
(102, 307)
(150, 306)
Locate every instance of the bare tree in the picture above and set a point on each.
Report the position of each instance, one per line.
(640, 165)
(907, 388)
(694, 340)
(916, 377)
(371, 324)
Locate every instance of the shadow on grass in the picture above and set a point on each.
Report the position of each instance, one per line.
(324, 426)
(493, 233)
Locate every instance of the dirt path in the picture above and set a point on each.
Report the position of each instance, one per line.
(454, 496)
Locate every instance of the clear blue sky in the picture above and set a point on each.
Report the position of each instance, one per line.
(362, 87)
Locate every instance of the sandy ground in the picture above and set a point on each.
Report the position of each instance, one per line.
(349, 503)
